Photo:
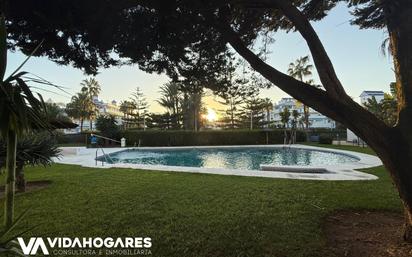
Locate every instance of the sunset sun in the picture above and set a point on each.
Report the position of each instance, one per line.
(211, 115)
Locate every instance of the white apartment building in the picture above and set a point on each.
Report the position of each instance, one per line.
(316, 119)
(379, 95)
(108, 108)
(111, 108)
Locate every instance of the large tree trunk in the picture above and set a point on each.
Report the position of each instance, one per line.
(10, 178)
(306, 115)
(20, 180)
(81, 125)
(407, 235)
(195, 119)
(399, 161)
(393, 145)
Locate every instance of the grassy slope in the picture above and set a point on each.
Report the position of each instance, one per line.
(197, 214)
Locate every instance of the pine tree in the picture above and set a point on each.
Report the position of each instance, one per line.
(139, 107)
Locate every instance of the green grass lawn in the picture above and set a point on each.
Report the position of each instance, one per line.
(197, 214)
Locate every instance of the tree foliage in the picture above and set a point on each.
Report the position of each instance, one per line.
(253, 111)
(139, 107)
(285, 117)
(108, 126)
(172, 100)
(301, 69)
(163, 121)
(33, 148)
(78, 107)
(73, 29)
(127, 107)
(192, 35)
(82, 105)
(232, 95)
(386, 109)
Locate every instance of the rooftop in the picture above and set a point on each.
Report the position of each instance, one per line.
(372, 93)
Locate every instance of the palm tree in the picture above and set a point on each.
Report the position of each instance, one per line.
(78, 108)
(268, 105)
(33, 148)
(300, 70)
(127, 108)
(295, 121)
(55, 112)
(385, 109)
(20, 111)
(91, 88)
(171, 99)
(284, 118)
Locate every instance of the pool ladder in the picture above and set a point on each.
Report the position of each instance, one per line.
(104, 154)
(101, 148)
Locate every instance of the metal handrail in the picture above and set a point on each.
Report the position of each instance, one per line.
(104, 154)
(106, 138)
(101, 148)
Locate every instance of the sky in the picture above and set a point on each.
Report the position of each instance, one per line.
(355, 54)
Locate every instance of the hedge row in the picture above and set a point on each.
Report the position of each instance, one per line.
(220, 137)
(71, 138)
(333, 133)
(210, 137)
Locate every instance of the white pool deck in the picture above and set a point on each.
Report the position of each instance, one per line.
(86, 157)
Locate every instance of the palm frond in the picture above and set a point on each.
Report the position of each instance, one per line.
(26, 60)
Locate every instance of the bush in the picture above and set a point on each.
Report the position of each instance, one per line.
(34, 148)
(70, 138)
(325, 139)
(314, 133)
(107, 125)
(215, 137)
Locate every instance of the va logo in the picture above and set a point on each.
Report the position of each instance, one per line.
(33, 246)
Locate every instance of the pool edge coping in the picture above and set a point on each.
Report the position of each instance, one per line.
(86, 157)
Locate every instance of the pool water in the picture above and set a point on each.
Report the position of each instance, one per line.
(229, 158)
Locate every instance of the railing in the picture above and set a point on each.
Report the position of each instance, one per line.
(104, 155)
(101, 148)
(106, 138)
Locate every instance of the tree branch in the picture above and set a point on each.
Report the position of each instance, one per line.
(301, 91)
(321, 59)
(347, 112)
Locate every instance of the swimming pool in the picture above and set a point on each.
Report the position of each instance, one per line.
(242, 158)
(276, 161)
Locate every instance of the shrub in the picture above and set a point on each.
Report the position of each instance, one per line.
(107, 125)
(325, 139)
(70, 138)
(333, 133)
(35, 148)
